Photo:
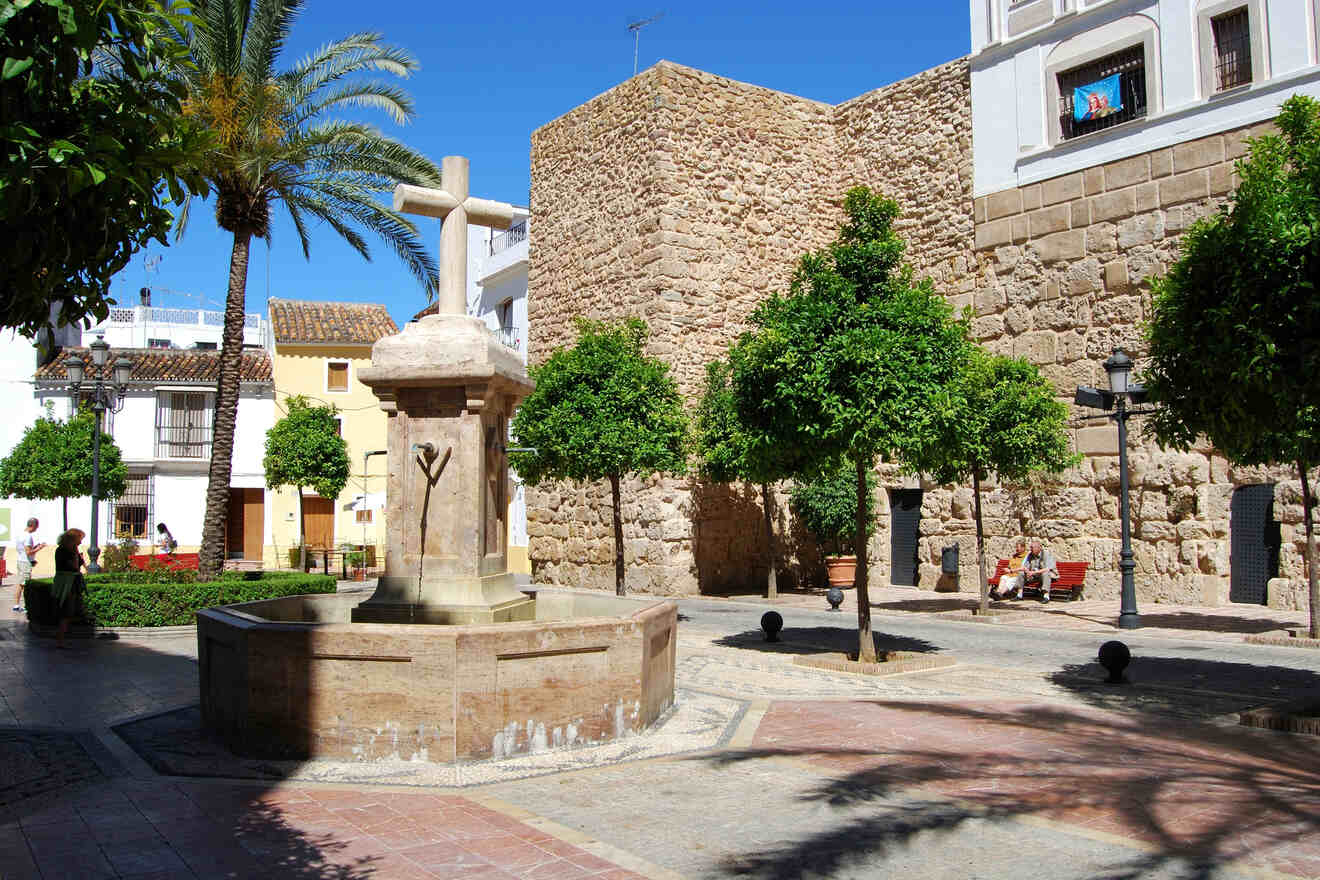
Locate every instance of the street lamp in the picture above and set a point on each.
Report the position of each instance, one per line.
(102, 397)
(1121, 393)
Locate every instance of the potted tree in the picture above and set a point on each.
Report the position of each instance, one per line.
(827, 507)
(356, 560)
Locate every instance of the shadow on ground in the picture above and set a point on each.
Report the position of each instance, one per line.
(1194, 797)
(821, 640)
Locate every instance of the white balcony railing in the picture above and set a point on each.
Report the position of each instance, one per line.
(124, 317)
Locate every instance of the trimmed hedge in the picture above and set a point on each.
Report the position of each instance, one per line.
(140, 599)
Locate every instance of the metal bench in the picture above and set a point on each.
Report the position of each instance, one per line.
(1070, 584)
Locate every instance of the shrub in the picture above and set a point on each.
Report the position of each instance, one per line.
(141, 598)
(827, 507)
(115, 557)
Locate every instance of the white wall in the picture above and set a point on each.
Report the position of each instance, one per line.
(1011, 116)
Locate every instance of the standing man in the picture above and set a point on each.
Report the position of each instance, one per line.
(1040, 569)
(27, 548)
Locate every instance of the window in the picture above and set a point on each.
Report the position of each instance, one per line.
(336, 376)
(364, 516)
(505, 313)
(1233, 45)
(183, 424)
(1232, 35)
(1129, 65)
(133, 508)
(205, 346)
(158, 343)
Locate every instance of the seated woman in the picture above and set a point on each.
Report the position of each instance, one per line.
(68, 584)
(1010, 584)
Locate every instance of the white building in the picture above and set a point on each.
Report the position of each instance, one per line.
(1187, 69)
(163, 430)
(497, 293)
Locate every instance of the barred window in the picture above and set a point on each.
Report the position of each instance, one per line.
(133, 508)
(183, 424)
(1130, 66)
(364, 516)
(1232, 33)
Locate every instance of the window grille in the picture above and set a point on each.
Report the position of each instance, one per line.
(364, 516)
(133, 508)
(183, 424)
(1232, 33)
(1130, 65)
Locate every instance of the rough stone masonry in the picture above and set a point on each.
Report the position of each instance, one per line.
(686, 198)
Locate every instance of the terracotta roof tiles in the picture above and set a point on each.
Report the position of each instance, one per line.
(329, 323)
(164, 365)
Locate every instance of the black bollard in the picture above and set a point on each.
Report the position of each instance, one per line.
(1115, 657)
(772, 622)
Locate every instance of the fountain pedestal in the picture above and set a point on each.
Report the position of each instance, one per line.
(449, 388)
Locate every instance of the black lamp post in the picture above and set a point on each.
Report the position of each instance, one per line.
(1121, 393)
(102, 397)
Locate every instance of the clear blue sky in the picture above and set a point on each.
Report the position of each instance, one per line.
(504, 69)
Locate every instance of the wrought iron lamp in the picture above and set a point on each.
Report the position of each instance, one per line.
(1121, 395)
(103, 396)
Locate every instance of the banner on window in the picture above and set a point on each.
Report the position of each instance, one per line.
(1097, 99)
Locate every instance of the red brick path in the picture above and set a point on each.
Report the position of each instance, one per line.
(1195, 792)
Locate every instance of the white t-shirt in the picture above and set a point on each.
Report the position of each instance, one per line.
(24, 545)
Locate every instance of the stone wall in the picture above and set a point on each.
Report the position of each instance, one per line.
(686, 198)
(1063, 271)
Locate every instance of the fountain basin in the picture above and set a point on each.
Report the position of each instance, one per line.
(294, 678)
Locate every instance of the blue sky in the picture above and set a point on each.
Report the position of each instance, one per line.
(493, 73)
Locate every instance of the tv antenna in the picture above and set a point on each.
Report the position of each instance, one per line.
(636, 28)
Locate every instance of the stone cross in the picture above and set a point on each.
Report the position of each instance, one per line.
(455, 208)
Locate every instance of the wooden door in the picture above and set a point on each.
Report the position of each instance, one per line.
(318, 522)
(244, 537)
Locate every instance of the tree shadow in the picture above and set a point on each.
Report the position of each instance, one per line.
(728, 540)
(821, 640)
(1194, 797)
(1188, 686)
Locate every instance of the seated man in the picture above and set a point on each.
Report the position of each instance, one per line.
(1010, 583)
(1040, 569)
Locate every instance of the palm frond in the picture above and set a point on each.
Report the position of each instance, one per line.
(267, 31)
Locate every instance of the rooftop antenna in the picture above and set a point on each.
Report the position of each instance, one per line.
(636, 28)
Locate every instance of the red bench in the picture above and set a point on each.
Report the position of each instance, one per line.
(1070, 584)
(179, 561)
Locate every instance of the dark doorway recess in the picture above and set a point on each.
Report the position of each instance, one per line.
(904, 530)
(1253, 543)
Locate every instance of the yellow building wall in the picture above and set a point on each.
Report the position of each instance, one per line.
(304, 370)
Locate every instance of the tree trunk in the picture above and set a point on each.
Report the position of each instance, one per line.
(226, 413)
(618, 537)
(771, 579)
(980, 540)
(302, 533)
(1312, 580)
(865, 641)
(65, 502)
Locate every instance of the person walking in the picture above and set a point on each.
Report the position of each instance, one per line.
(164, 540)
(68, 584)
(27, 547)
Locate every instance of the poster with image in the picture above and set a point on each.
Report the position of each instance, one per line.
(1096, 100)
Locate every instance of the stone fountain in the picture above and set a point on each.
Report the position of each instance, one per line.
(447, 660)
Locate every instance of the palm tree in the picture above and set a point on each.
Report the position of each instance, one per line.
(271, 143)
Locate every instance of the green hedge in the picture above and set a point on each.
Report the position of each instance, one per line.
(140, 599)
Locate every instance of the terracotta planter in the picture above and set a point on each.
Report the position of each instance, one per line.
(840, 570)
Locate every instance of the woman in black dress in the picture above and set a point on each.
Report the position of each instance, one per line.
(68, 584)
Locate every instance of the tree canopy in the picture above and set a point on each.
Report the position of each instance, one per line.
(848, 364)
(602, 410)
(305, 449)
(1234, 330)
(54, 461)
(94, 147)
(999, 417)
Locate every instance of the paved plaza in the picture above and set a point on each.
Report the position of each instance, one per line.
(1015, 761)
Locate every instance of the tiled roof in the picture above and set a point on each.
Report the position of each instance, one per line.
(328, 323)
(164, 365)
